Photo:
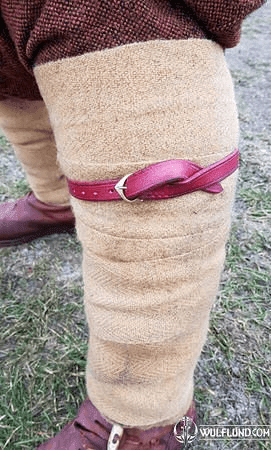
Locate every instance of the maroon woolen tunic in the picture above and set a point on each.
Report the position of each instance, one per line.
(38, 31)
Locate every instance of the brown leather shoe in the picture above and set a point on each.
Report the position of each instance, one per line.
(27, 219)
(90, 431)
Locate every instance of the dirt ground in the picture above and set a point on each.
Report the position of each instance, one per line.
(233, 377)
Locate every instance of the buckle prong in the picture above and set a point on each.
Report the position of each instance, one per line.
(120, 188)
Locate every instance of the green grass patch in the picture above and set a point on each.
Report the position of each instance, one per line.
(258, 201)
(42, 362)
(4, 143)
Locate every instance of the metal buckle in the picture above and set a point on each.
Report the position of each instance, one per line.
(115, 437)
(120, 188)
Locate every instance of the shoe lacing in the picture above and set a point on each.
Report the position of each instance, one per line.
(115, 437)
(130, 441)
(92, 436)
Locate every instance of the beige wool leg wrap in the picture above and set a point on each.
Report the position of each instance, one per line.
(151, 269)
(26, 125)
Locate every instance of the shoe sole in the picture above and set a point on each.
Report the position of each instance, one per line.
(31, 237)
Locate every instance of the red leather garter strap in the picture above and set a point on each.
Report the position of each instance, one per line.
(166, 179)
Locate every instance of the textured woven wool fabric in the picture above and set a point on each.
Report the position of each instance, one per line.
(39, 31)
(26, 125)
(151, 269)
(15, 79)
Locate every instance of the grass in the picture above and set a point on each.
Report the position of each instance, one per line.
(43, 369)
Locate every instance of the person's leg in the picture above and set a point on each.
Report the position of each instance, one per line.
(27, 127)
(151, 269)
(47, 208)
